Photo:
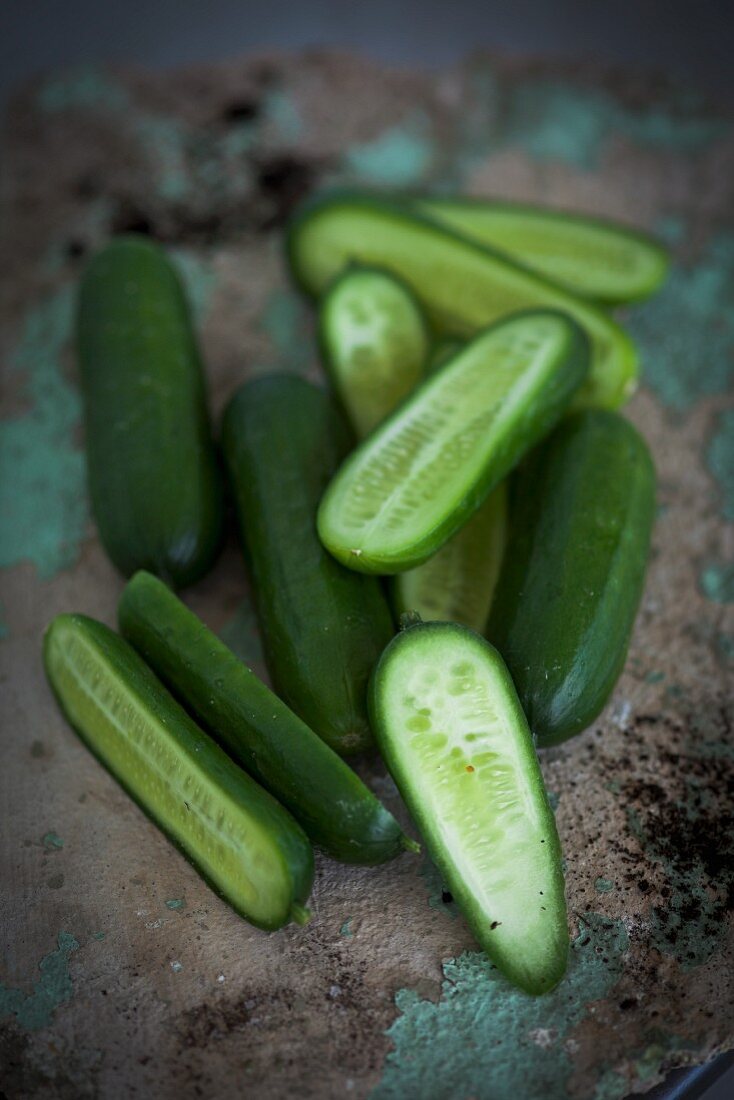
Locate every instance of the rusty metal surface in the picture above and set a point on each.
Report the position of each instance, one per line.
(122, 974)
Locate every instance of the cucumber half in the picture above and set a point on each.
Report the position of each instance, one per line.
(595, 259)
(462, 286)
(420, 476)
(241, 840)
(453, 735)
(375, 344)
(457, 584)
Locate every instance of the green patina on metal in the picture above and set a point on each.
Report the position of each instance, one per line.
(603, 885)
(648, 1059)
(34, 1011)
(717, 581)
(346, 930)
(484, 1032)
(42, 480)
(554, 120)
(400, 156)
(4, 628)
(724, 647)
(83, 87)
(686, 331)
(654, 677)
(198, 278)
(720, 460)
(439, 896)
(288, 325)
(52, 842)
(175, 903)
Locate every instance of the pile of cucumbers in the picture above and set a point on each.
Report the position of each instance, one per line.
(465, 474)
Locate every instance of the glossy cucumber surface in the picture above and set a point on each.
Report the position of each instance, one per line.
(453, 734)
(462, 286)
(153, 476)
(458, 583)
(335, 808)
(323, 626)
(241, 840)
(592, 258)
(374, 342)
(427, 468)
(581, 513)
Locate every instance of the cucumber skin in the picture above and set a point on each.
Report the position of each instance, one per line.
(336, 810)
(540, 418)
(432, 208)
(154, 479)
(596, 391)
(296, 850)
(581, 515)
(425, 821)
(323, 626)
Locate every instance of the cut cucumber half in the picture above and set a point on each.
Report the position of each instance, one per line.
(595, 259)
(421, 475)
(453, 735)
(244, 843)
(462, 286)
(457, 584)
(375, 344)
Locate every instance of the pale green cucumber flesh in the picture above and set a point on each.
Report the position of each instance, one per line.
(592, 258)
(237, 836)
(462, 286)
(452, 732)
(457, 584)
(375, 344)
(419, 477)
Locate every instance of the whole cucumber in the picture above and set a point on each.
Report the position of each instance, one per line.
(153, 475)
(581, 514)
(323, 626)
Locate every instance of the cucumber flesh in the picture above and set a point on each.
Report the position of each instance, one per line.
(375, 344)
(420, 476)
(335, 808)
(590, 257)
(457, 584)
(462, 286)
(246, 845)
(453, 734)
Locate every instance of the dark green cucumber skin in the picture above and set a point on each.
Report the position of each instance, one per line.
(293, 843)
(154, 480)
(334, 807)
(581, 515)
(323, 626)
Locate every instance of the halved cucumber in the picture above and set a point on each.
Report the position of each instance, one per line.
(420, 476)
(463, 286)
(452, 732)
(457, 584)
(375, 343)
(244, 843)
(590, 257)
(338, 812)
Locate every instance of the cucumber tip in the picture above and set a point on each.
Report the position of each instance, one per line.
(300, 914)
(409, 844)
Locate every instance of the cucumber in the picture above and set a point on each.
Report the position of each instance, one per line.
(461, 285)
(590, 257)
(248, 847)
(375, 343)
(420, 476)
(335, 808)
(153, 476)
(581, 513)
(456, 742)
(323, 626)
(457, 584)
